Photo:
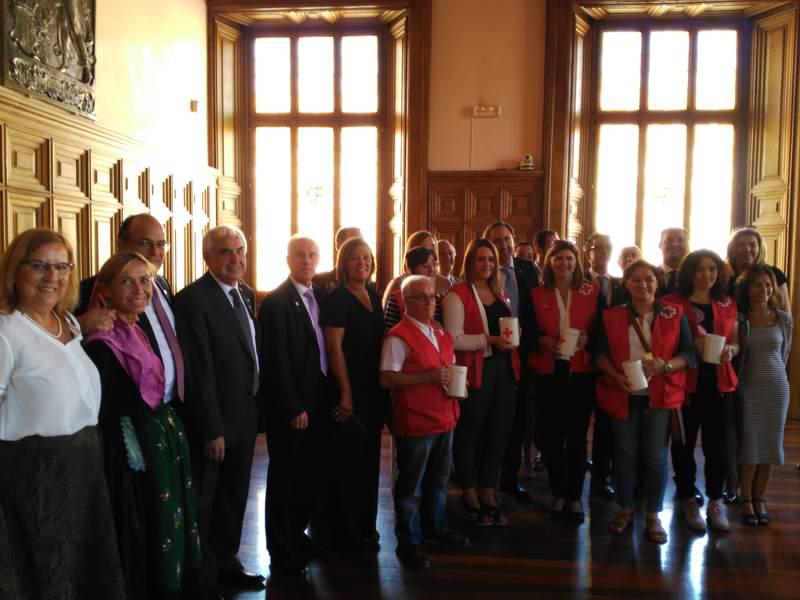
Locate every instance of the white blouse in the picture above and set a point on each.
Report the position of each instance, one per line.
(453, 317)
(46, 388)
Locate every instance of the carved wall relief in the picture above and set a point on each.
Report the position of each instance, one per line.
(48, 50)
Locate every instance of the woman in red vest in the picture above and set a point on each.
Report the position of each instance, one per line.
(702, 283)
(658, 335)
(565, 380)
(472, 313)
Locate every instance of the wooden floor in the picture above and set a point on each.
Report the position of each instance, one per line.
(536, 558)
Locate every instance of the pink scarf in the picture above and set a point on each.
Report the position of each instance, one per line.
(129, 344)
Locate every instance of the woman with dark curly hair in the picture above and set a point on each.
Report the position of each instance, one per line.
(702, 286)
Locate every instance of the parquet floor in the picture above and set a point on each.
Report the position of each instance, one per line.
(536, 558)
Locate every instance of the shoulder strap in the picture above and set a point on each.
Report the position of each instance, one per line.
(633, 321)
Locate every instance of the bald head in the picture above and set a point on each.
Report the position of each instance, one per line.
(302, 256)
(143, 233)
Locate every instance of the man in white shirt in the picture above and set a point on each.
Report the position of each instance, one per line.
(415, 363)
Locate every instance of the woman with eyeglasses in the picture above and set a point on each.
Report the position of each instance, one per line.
(564, 304)
(472, 313)
(419, 261)
(145, 450)
(57, 536)
(657, 334)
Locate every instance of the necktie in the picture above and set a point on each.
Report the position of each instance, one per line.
(314, 311)
(510, 286)
(673, 281)
(244, 323)
(605, 289)
(172, 341)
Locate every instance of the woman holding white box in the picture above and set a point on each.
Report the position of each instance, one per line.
(657, 334)
(565, 308)
(702, 283)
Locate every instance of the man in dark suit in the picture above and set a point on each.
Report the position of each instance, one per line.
(518, 278)
(294, 367)
(674, 246)
(143, 233)
(214, 317)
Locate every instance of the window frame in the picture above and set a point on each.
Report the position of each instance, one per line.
(336, 119)
(690, 116)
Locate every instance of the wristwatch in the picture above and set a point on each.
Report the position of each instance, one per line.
(668, 368)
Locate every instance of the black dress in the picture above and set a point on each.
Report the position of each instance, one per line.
(355, 444)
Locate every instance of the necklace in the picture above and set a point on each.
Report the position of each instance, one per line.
(56, 335)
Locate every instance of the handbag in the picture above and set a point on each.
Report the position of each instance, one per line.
(676, 429)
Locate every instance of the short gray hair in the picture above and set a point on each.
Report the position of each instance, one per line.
(411, 280)
(296, 239)
(221, 232)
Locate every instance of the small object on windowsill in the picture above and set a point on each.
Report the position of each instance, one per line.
(526, 163)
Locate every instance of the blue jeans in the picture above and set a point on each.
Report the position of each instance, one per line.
(420, 491)
(645, 434)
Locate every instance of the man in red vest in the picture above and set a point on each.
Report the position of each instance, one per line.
(415, 362)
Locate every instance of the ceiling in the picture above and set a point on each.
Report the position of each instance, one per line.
(602, 9)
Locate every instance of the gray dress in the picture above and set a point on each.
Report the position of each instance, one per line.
(764, 392)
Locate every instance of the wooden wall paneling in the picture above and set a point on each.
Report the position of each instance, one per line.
(25, 211)
(105, 223)
(773, 152)
(199, 226)
(162, 211)
(71, 217)
(135, 188)
(462, 203)
(773, 111)
(560, 32)
(71, 171)
(28, 156)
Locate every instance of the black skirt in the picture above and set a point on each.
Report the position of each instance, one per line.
(57, 538)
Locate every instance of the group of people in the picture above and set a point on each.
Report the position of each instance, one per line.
(131, 420)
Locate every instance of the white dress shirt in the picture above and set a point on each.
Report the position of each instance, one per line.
(46, 388)
(161, 339)
(395, 350)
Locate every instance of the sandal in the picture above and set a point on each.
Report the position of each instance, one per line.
(493, 513)
(762, 516)
(748, 518)
(655, 532)
(621, 521)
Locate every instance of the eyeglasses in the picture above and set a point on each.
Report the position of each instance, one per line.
(423, 298)
(41, 268)
(151, 245)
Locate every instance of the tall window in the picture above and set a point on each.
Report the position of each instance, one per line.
(315, 121)
(666, 122)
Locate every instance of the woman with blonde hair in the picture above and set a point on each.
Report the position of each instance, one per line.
(57, 537)
(472, 312)
(746, 249)
(145, 450)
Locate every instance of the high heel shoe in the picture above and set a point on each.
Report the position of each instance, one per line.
(748, 518)
(762, 516)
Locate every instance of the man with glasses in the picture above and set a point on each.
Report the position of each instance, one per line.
(415, 362)
(143, 233)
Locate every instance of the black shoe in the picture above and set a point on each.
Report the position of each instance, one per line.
(517, 491)
(797, 466)
(242, 578)
(698, 497)
(762, 516)
(576, 517)
(450, 539)
(412, 558)
(538, 464)
(287, 568)
(589, 464)
(729, 497)
(603, 490)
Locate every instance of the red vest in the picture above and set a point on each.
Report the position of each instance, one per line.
(582, 313)
(423, 409)
(473, 325)
(666, 391)
(724, 320)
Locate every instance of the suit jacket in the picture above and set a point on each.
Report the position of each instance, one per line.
(219, 366)
(527, 279)
(291, 376)
(87, 286)
(619, 294)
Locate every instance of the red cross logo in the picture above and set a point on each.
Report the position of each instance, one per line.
(507, 333)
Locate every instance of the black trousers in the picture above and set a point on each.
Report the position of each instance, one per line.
(222, 490)
(512, 461)
(602, 447)
(292, 479)
(707, 409)
(565, 401)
